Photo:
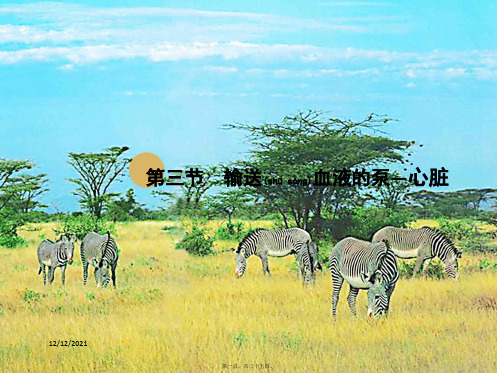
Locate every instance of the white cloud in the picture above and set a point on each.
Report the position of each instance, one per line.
(67, 67)
(221, 69)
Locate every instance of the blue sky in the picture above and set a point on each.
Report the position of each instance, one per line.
(163, 76)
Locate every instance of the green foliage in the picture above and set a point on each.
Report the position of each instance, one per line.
(455, 204)
(83, 224)
(467, 235)
(90, 295)
(125, 208)
(231, 231)
(487, 264)
(305, 143)
(11, 242)
(173, 229)
(434, 269)
(365, 221)
(31, 295)
(196, 243)
(239, 339)
(97, 172)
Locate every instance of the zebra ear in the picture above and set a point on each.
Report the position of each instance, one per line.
(378, 276)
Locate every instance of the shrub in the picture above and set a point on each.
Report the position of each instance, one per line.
(434, 270)
(81, 225)
(466, 234)
(487, 264)
(367, 220)
(232, 231)
(196, 243)
(8, 233)
(11, 242)
(31, 295)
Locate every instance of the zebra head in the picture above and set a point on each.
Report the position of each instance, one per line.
(102, 273)
(378, 294)
(451, 264)
(240, 262)
(68, 247)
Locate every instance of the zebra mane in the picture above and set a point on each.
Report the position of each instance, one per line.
(444, 237)
(248, 236)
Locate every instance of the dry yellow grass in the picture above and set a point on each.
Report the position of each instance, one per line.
(172, 312)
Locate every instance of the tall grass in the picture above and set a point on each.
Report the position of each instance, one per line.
(173, 312)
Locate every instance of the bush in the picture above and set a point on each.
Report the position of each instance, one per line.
(367, 220)
(466, 234)
(196, 243)
(81, 225)
(434, 270)
(11, 242)
(487, 264)
(232, 231)
(8, 233)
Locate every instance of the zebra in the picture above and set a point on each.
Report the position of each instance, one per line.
(264, 243)
(55, 254)
(101, 251)
(364, 265)
(423, 244)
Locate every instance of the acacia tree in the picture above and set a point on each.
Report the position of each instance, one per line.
(228, 202)
(305, 143)
(18, 196)
(97, 172)
(192, 193)
(25, 191)
(466, 202)
(393, 194)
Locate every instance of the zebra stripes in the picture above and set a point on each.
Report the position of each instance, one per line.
(264, 243)
(423, 244)
(102, 252)
(53, 255)
(364, 265)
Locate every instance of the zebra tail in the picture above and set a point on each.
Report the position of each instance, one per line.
(310, 257)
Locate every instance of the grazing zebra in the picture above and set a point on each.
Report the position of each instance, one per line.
(101, 251)
(423, 244)
(364, 265)
(55, 254)
(264, 243)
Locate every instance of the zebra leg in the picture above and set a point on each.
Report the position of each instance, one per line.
(51, 271)
(113, 269)
(337, 286)
(425, 267)
(85, 271)
(351, 299)
(95, 273)
(299, 266)
(265, 266)
(44, 274)
(63, 274)
(419, 261)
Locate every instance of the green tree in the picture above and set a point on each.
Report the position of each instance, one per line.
(19, 193)
(191, 195)
(97, 172)
(228, 202)
(125, 208)
(308, 142)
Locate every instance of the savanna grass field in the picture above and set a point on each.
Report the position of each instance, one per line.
(172, 312)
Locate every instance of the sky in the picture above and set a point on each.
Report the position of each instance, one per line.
(164, 76)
